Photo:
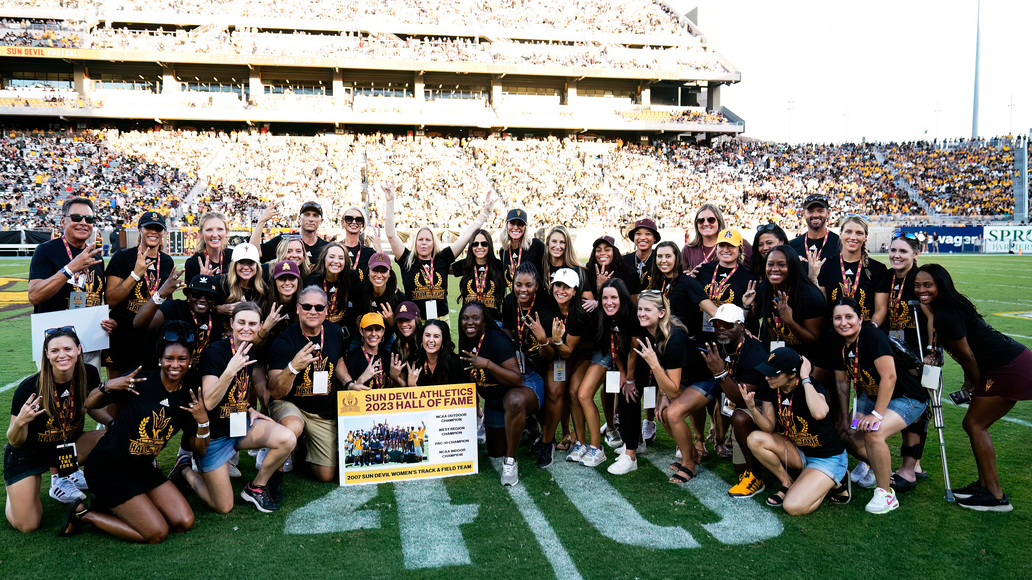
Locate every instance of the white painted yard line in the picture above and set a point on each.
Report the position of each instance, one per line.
(1026, 304)
(1010, 419)
(1018, 335)
(557, 555)
(1007, 276)
(12, 385)
(992, 285)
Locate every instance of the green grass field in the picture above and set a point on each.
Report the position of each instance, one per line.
(571, 521)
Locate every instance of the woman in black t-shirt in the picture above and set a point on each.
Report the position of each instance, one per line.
(686, 296)
(559, 254)
(996, 374)
(144, 505)
(606, 262)
(368, 367)
(378, 293)
(436, 363)
(243, 280)
(517, 245)
(210, 257)
(572, 354)
(405, 347)
(810, 442)
(768, 237)
(333, 273)
(424, 269)
(489, 357)
(888, 397)
(790, 308)
(47, 414)
(482, 275)
(855, 275)
(725, 280)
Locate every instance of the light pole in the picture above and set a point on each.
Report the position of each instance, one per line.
(791, 105)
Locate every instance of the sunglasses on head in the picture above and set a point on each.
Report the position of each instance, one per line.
(291, 237)
(906, 235)
(173, 336)
(706, 220)
(318, 307)
(78, 217)
(858, 215)
(479, 245)
(766, 228)
(350, 219)
(50, 331)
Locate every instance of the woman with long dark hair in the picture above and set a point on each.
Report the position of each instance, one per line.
(768, 236)
(436, 363)
(378, 293)
(606, 262)
(996, 375)
(333, 273)
(408, 342)
(789, 306)
(482, 275)
(686, 297)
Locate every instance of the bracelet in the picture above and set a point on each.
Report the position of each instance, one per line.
(103, 388)
(629, 382)
(557, 342)
(205, 424)
(157, 299)
(199, 436)
(135, 276)
(721, 376)
(67, 272)
(292, 369)
(878, 415)
(347, 385)
(806, 381)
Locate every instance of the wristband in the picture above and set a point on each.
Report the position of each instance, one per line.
(347, 385)
(199, 436)
(67, 272)
(157, 299)
(721, 376)
(205, 424)
(292, 369)
(807, 381)
(557, 342)
(629, 382)
(878, 415)
(135, 276)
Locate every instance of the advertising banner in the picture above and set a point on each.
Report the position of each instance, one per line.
(951, 239)
(410, 433)
(1005, 239)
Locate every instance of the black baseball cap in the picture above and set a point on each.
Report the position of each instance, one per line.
(151, 218)
(516, 214)
(816, 199)
(310, 205)
(203, 283)
(781, 360)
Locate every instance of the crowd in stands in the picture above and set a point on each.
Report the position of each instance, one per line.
(40, 33)
(574, 183)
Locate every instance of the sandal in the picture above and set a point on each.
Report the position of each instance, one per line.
(679, 474)
(723, 452)
(565, 444)
(73, 523)
(842, 493)
(899, 483)
(700, 451)
(778, 497)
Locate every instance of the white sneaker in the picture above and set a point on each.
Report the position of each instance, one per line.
(859, 472)
(623, 449)
(63, 490)
(602, 431)
(613, 439)
(616, 420)
(623, 464)
(576, 452)
(593, 456)
(882, 502)
(234, 461)
(481, 434)
(868, 480)
(510, 472)
(648, 430)
(253, 452)
(260, 459)
(79, 479)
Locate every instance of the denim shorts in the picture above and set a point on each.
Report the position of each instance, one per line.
(834, 467)
(707, 388)
(602, 358)
(909, 409)
(494, 411)
(219, 451)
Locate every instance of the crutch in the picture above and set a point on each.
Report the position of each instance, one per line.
(935, 400)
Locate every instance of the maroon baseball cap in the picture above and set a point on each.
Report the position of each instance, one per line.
(647, 224)
(379, 259)
(407, 311)
(285, 268)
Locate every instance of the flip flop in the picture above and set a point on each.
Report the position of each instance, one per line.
(842, 493)
(778, 497)
(899, 483)
(723, 452)
(565, 444)
(679, 474)
(73, 523)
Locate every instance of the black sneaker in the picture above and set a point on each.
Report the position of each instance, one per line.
(259, 496)
(546, 453)
(986, 502)
(275, 487)
(176, 476)
(973, 488)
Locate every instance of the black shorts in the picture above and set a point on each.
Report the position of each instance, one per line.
(18, 464)
(114, 483)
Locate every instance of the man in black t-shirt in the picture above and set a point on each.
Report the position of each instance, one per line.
(64, 273)
(309, 220)
(306, 365)
(817, 241)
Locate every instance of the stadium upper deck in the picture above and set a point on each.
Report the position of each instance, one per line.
(629, 66)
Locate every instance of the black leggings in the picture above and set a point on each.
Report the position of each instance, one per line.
(630, 419)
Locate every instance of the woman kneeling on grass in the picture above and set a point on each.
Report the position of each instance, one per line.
(996, 374)
(229, 386)
(153, 406)
(810, 444)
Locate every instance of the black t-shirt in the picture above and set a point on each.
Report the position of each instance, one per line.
(814, 438)
(810, 304)
(238, 395)
(45, 432)
(453, 375)
(581, 324)
(675, 356)
(640, 270)
(50, 257)
(146, 421)
(511, 259)
(742, 365)
(491, 294)
(857, 360)
(992, 349)
(193, 265)
(358, 360)
(121, 266)
(522, 336)
(829, 246)
(339, 302)
(359, 256)
(497, 348)
(419, 288)
(207, 328)
(358, 308)
(287, 345)
(833, 279)
(724, 285)
(269, 248)
(684, 294)
(903, 316)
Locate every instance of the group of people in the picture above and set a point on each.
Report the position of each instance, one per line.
(770, 341)
(384, 444)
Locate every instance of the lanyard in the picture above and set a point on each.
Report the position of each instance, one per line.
(514, 262)
(65, 412)
(322, 335)
(786, 419)
(640, 265)
(428, 273)
(218, 266)
(733, 360)
(777, 320)
(242, 380)
(332, 306)
(524, 326)
(155, 282)
(896, 300)
(358, 254)
(202, 334)
(667, 284)
(79, 280)
(709, 256)
(480, 282)
(716, 289)
(823, 242)
(854, 367)
(480, 343)
(849, 286)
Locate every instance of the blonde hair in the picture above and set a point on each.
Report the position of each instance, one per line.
(570, 255)
(236, 291)
(211, 215)
(506, 242)
(412, 247)
(281, 254)
(667, 323)
(865, 256)
(721, 224)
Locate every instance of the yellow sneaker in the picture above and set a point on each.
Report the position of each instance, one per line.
(748, 486)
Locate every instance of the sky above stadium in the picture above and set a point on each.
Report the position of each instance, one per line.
(880, 69)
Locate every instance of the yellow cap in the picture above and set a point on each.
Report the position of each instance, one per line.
(730, 236)
(371, 319)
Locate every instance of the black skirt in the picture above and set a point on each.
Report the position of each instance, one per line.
(115, 483)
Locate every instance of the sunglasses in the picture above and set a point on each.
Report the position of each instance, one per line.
(50, 331)
(479, 245)
(311, 205)
(722, 324)
(78, 217)
(858, 215)
(706, 220)
(350, 219)
(766, 228)
(906, 235)
(318, 307)
(291, 237)
(519, 223)
(173, 336)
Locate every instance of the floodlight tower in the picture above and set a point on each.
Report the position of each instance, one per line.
(978, 41)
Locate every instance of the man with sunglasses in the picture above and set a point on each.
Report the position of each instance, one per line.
(818, 241)
(306, 369)
(65, 273)
(309, 219)
(354, 227)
